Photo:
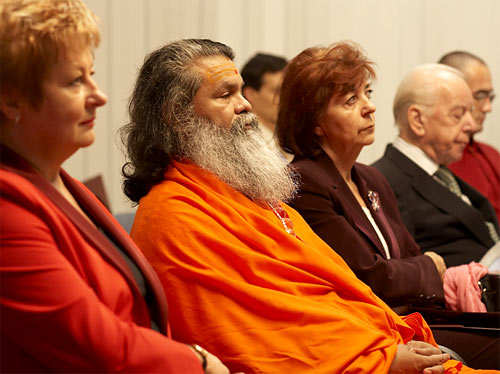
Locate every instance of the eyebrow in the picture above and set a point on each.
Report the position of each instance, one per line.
(462, 107)
(230, 85)
(484, 91)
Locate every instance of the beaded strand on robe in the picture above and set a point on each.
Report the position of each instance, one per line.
(283, 217)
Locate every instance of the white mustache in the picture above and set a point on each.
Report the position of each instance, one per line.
(243, 122)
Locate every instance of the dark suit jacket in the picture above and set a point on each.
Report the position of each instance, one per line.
(70, 302)
(438, 219)
(330, 208)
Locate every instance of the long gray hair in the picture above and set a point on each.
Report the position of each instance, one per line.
(165, 87)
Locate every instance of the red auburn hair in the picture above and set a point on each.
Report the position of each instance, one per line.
(310, 80)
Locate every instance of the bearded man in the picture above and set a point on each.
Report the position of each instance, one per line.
(244, 274)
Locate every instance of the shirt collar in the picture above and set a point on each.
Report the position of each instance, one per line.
(415, 154)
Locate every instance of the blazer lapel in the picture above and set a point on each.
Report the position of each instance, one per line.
(102, 218)
(99, 213)
(91, 234)
(343, 197)
(441, 197)
(377, 214)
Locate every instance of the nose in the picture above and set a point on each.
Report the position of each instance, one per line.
(369, 108)
(468, 124)
(96, 97)
(100, 98)
(486, 107)
(242, 105)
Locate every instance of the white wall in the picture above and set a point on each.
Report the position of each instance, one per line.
(396, 34)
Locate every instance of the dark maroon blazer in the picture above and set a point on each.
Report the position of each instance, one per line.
(330, 208)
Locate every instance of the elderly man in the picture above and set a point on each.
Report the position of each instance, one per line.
(244, 273)
(432, 109)
(262, 76)
(480, 162)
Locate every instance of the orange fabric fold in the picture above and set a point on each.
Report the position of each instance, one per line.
(261, 299)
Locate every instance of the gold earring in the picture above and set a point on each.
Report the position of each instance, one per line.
(17, 117)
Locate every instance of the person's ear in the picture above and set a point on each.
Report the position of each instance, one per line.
(416, 120)
(10, 105)
(318, 130)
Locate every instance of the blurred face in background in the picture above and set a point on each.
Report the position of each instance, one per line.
(478, 78)
(265, 101)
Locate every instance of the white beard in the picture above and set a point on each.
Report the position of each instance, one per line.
(239, 156)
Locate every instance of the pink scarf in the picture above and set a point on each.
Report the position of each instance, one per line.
(461, 290)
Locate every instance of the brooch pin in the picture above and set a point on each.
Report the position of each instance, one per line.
(374, 200)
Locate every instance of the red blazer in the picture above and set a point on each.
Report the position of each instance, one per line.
(329, 207)
(69, 301)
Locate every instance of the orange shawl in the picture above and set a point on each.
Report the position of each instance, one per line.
(260, 299)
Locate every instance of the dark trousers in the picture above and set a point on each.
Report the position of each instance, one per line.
(480, 348)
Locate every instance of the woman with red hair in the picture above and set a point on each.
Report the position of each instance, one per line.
(326, 117)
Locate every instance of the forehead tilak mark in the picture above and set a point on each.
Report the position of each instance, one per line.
(217, 72)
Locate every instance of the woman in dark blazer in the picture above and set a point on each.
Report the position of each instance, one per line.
(325, 119)
(76, 293)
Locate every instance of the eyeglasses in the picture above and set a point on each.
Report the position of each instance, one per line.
(483, 95)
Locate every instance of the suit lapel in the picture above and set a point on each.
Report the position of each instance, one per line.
(441, 197)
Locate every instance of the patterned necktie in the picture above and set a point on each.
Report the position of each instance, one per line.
(449, 180)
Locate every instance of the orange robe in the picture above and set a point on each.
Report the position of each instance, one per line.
(259, 298)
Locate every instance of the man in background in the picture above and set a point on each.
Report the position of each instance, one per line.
(433, 111)
(480, 162)
(262, 76)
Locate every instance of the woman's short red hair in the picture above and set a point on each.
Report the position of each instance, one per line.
(310, 80)
(34, 34)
